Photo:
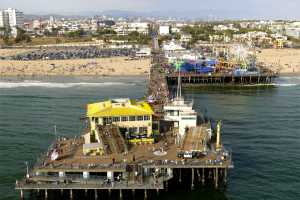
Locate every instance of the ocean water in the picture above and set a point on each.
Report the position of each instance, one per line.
(261, 126)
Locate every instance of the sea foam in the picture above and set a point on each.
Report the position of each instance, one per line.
(30, 83)
(287, 84)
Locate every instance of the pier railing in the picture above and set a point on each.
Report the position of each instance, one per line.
(92, 182)
(218, 74)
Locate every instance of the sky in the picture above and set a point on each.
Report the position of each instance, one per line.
(280, 9)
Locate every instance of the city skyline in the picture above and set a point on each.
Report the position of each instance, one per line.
(252, 9)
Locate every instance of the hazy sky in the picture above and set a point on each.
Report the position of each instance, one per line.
(267, 8)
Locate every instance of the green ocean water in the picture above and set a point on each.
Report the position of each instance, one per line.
(261, 126)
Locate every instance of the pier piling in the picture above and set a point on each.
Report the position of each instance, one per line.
(71, 194)
(225, 176)
(21, 195)
(216, 177)
(109, 193)
(179, 175)
(120, 194)
(203, 176)
(96, 194)
(145, 194)
(192, 185)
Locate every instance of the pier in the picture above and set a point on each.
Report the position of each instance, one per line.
(143, 167)
(222, 80)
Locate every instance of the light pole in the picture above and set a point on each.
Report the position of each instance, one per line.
(27, 169)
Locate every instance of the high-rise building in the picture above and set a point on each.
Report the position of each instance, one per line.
(16, 18)
(52, 21)
(4, 19)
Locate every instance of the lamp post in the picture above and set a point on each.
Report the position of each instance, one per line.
(27, 169)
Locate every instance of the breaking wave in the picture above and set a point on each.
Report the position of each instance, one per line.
(287, 84)
(290, 78)
(288, 81)
(5, 85)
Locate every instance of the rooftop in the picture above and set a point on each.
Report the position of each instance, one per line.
(119, 107)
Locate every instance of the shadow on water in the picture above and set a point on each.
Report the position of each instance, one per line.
(179, 187)
(253, 89)
(205, 193)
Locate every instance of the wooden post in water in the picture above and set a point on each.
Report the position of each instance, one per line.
(71, 194)
(216, 178)
(225, 175)
(179, 175)
(166, 185)
(96, 194)
(46, 194)
(203, 176)
(192, 185)
(109, 193)
(145, 194)
(21, 195)
(121, 195)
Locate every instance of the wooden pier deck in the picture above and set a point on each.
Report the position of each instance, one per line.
(222, 79)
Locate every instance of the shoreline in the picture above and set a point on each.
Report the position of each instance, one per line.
(67, 78)
(95, 77)
(295, 74)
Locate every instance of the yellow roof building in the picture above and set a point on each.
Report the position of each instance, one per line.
(119, 107)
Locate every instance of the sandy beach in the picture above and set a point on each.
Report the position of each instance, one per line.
(284, 61)
(113, 66)
(76, 67)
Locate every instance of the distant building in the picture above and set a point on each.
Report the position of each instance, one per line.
(172, 46)
(4, 19)
(144, 52)
(15, 17)
(293, 32)
(52, 21)
(141, 27)
(164, 30)
(185, 37)
(36, 24)
(11, 18)
(175, 30)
